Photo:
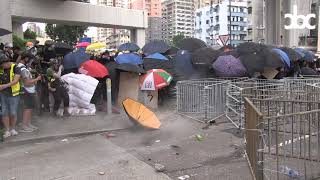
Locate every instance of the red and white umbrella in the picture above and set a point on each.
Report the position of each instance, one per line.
(155, 79)
(82, 44)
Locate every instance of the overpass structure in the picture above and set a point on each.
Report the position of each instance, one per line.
(13, 13)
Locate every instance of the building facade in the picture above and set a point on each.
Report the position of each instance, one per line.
(113, 37)
(177, 18)
(214, 20)
(153, 8)
(35, 28)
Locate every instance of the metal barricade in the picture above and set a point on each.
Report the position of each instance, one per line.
(203, 100)
(282, 135)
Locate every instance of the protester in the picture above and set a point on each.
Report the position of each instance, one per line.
(59, 92)
(9, 92)
(29, 91)
(8, 51)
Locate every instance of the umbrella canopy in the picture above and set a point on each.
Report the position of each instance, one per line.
(308, 71)
(129, 58)
(131, 68)
(191, 44)
(62, 48)
(250, 48)
(205, 55)
(48, 43)
(284, 57)
(306, 55)
(172, 51)
(155, 46)
(82, 44)
(94, 69)
(129, 47)
(293, 55)
(74, 59)
(157, 56)
(137, 112)
(4, 32)
(183, 65)
(96, 46)
(229, 66)
(155, 79)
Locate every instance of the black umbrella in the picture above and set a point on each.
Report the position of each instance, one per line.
(183, 65)
(308, 71)
(205, 55)
(172, 51)
(4, 32)
(155, 46)
(272, 59)
(250, 48)
(293, 55)
(129, 47)
(131, 68)
(253, 63)
(168, 66)
(191, 44)
(62, 48)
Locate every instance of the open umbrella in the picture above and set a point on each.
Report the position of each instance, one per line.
(129, 47)
(155, 79)
(129, 58)
(205, 55)
(155, 46)
(284, 57)
(183, 65)
(307, 55)
(293, 55)
(62, 48)
(157, 56)
(130, 68)
(191, 44)
(96, 46)
(308, 71)
(82, 44)
(4, 32)
(172, 51)
(74, 59)
(229, 66)
(137, 112)
(94, 69)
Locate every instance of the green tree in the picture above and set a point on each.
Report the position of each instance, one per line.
(177, 38)
(65, 33)
(28, 34)
(18, 42)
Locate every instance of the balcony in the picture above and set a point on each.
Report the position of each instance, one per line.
(240, 14)
(239, 23)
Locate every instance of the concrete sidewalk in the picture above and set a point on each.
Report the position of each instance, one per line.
(53, 127)
(75, 159)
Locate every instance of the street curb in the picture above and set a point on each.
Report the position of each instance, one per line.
(55, 137)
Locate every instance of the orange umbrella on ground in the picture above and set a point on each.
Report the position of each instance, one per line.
(141, 114)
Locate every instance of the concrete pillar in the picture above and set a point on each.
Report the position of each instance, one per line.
(138, 36)
(273, 22)
(17, 28)
(257, 20)
(5, 20)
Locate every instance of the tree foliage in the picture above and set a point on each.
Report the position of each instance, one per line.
(28, 34)
(177, 39)
(65, 33)
(18, 42)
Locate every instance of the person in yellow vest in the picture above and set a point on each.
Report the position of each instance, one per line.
(9, 93)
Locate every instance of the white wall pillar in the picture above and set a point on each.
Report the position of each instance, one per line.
(5, 20)
(17, 29)
(138, 36)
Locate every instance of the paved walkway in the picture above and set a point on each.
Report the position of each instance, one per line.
(51, 127)
(75, 159)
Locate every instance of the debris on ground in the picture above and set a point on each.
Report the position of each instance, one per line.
(159, 167)
(109, 135)
(13, 178)
(184, 177)
(64, 140)
(175, 146)
(157, 141)
(101, 173)
(199, 137)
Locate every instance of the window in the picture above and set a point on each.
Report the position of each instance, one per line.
(241, 9)
(241, 19)
(207, 22)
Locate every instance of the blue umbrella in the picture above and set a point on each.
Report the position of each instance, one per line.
(128, 47)
(284, 57)
(74, 59)
(307, 55)
(157, 56)
(129, 58)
